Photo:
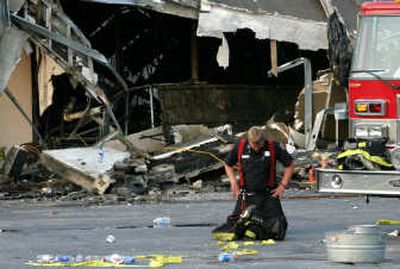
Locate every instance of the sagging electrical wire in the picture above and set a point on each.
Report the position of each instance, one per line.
(197, 151)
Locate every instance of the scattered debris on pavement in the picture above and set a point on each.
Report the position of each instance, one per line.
(113, 260)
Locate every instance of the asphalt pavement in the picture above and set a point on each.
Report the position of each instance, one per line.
(30, 229)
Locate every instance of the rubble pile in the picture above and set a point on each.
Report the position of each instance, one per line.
(101, 174)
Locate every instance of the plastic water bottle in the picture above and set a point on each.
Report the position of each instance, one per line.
(162, 222)
(226, 257)
(129, 260)
(45, 258)
(100, 157)
(64, 259)
(93, 258)
(79, 258)
(114, 258)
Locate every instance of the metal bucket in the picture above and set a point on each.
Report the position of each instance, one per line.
(359, 244)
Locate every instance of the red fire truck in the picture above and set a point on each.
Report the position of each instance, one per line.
(373, 99)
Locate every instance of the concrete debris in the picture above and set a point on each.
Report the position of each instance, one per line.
(197, 185)
(16, 159)
(111, 171)
(82, 166)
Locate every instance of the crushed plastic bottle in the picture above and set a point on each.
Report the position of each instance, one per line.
(45, 258)
(65, 258)
(129, 260)
(79, 258)
(162, 222)
(70, 259)
(93, 258)
(226, 257)
(114, 258)
(110, 239)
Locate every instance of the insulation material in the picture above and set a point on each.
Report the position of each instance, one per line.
(214, 20)
(223, 54)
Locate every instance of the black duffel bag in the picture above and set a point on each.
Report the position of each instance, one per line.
(264, 219)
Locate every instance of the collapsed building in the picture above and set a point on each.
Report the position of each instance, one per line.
(95, 70)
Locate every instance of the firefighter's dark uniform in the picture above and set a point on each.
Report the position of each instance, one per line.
(256, 173)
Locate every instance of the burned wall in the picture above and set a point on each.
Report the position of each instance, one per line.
(152, 49)
(241, 105)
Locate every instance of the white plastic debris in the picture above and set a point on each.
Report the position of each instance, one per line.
(393, 234)
(110, 239)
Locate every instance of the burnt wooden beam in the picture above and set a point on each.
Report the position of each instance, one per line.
(194, 56)
(35, 95)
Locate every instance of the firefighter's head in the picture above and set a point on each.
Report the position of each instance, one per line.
(256, 138)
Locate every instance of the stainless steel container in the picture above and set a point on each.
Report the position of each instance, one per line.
(359, 244)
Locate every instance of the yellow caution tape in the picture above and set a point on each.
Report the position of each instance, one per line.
(224, 236)
(246, 252)
(230, 246)
(387, 222)
(159, 260)
(235, 245)
(250, 234)
(268, 242)
(156, 261)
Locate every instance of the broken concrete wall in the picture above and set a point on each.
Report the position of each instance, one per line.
(83, 167)
(14, 128)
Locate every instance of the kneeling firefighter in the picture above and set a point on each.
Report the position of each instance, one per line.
(258, 212)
